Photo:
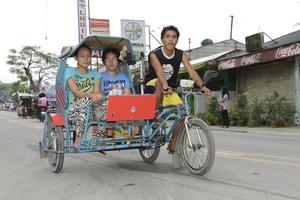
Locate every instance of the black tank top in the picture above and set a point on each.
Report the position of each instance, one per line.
(170, 66)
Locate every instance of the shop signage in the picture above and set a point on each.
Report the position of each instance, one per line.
(264, 56)
(252, 59)
(82, 26)
(290, 50)
(100, 26)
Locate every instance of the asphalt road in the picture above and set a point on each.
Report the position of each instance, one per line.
(250, 164)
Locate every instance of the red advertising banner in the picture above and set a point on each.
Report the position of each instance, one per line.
(260, 57)
(100, 26)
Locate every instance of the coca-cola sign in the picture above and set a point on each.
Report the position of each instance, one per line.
(252, 59)
(262, 57)
(227, 64)
(290, 50)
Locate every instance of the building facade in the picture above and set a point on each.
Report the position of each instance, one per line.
(273, 68)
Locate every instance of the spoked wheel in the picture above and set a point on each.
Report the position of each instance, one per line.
(55, 140)
(149, 155)
(197, 147)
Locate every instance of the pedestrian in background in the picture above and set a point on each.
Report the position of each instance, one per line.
(223, 107)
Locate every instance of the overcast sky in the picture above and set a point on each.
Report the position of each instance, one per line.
(30, 22)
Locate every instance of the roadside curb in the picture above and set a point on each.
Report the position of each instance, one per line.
(271, 130)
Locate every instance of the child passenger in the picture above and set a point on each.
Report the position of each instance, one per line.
(113, 82)
(83, 85)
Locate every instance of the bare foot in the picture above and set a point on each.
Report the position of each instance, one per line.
(77, 142)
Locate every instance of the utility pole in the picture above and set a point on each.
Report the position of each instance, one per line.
(149, 38)
(89, 17)
(46, 20)
(189, 49)
(231, 24)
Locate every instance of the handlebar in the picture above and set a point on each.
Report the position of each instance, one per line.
(181, 90)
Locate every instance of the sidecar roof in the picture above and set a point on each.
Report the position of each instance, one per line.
(99, 42)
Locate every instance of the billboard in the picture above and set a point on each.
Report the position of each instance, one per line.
(254, 42)
(100, 26)
(134, 30)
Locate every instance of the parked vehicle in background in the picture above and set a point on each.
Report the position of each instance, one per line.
(24, 105)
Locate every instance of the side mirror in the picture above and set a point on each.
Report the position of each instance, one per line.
(208, 75)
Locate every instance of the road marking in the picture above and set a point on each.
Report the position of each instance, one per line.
(260, 134)
(262, 158)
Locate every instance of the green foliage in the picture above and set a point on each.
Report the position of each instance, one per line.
(213, 105)
(256, 112)
(279, 123)
(252, 123)
(212, 116)
(243, 116)
(11, 89)
(278, 112)
(3, 86)
(238, 114)
(272, 111)
(16, 87)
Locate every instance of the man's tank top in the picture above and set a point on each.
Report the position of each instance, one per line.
(170, 66)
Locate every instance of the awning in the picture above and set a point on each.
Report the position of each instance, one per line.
(261, 57)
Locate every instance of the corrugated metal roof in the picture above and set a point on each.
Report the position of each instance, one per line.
(215, 48)
(199, 61)
(285, 39)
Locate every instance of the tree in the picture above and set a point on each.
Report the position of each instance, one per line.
(15, 88)
(3, 86)
(33, 65)
(3, 92)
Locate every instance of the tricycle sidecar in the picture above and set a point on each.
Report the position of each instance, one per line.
(194, 140)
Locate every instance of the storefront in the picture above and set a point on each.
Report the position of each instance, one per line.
(267, 71)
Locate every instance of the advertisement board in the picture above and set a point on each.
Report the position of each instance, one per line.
(100, 26)
(134, 30)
